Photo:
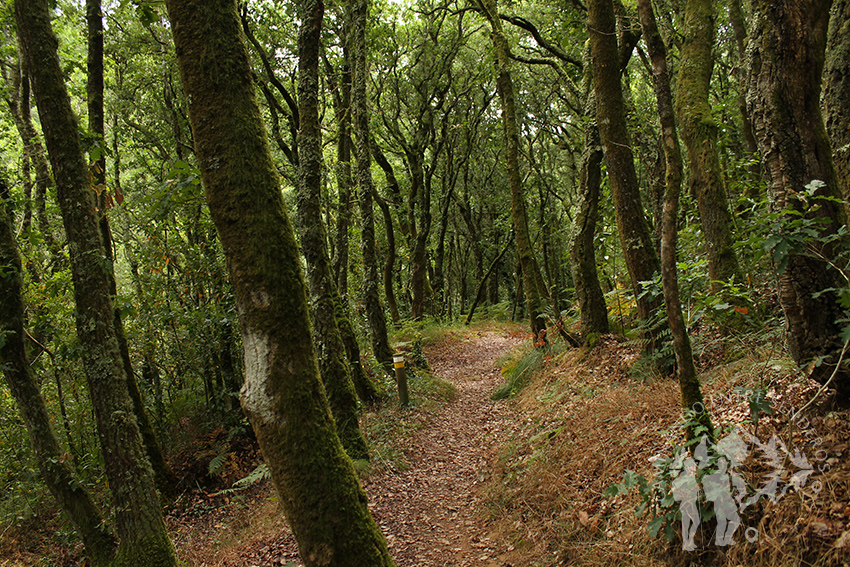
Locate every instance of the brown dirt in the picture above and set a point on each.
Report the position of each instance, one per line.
(429, 512)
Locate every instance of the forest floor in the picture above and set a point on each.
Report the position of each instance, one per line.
(461, 480)
(428, 503)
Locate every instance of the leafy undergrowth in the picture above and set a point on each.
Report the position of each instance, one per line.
(589, 415)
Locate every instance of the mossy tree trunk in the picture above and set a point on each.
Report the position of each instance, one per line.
(19, 103)
(836, 95)
(591, 300)
(143, 540)
(332, 356)
(641, 260)
(341, 93)
(53, 463)
(784, 104)
(165, 478)
(686, 371)
(739, 28)
(699, 130)
(359, 10)
(282, 394)
(535, 289)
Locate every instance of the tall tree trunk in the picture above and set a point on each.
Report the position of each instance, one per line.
(641, 261)
(141, 531)
(19, 105)
(332, 356)
(686, 371)
(54, 465)
(389, 263)
(739, 27)
(344, 181)
(836, 94)
(421, 194)
(699, 131)
(282, 394)
(591, 300)
(784, 104)
(535, 289)
(165, 478)
(371, 300)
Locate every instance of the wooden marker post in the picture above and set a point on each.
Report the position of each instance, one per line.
(401, 380)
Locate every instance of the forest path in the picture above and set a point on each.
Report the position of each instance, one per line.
(430, 512)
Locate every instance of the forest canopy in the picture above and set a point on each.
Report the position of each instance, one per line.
(217, 214)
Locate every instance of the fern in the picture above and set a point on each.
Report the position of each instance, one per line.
(260, 473)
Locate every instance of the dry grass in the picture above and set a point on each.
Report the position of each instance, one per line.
(585, 420)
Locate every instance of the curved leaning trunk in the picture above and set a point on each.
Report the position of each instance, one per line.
(72, 497)
(535, 288)
(143, 539)
(282, 395)
(699, 130)
(638, 249)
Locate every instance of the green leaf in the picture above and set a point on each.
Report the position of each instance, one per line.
(655, 525)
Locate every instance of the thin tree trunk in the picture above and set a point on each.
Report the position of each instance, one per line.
(374, 309)
(282, 394)
(784, 104)
(699, 131)
(591, 300)
(739, 27)
(54, 465)
(332, 356)
(389, 263)
(479, 293)
(142, 535)
(344, 181)
(689, 385)
(535, 289)
(641, 261)
(165, 478)
(19, 105)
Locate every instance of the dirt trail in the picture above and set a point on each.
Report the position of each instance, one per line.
(429, 512)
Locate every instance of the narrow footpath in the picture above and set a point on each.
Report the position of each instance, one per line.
(430, 513)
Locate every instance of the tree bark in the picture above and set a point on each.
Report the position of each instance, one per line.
(165, 478)
(591, 300)
(699, 131)
(689, 385)
(836, 95)
(372, 302)
(332, 356)
(19, 106)
(739, 28)
(784, 104)
(344, 181)
(535, 289)
(641, 261)
(141, 531)
(282, 394)
(53, 463)
(389, 263)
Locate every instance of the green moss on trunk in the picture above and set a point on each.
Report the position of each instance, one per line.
(282, 394)
(699, 131)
